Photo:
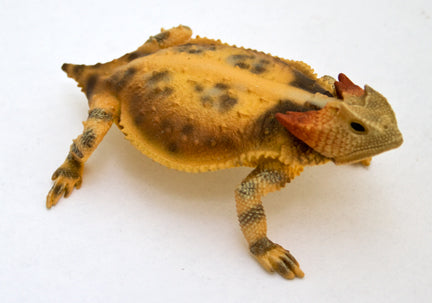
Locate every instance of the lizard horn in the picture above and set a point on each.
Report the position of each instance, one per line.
(303, 125)
(345, 87)
(312, 127)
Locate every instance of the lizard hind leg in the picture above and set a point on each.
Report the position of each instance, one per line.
(68, 176)
(267, 177)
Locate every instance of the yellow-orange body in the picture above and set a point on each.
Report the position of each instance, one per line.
(200, 105)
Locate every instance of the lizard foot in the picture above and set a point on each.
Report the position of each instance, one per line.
(65, 178)
(274, 258)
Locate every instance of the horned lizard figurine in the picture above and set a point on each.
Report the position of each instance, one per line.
(200, 105)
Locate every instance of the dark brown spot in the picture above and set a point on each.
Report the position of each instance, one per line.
(308, 84)
(135, 55)
(159, 93)
(252, 215)
(158, 76)
(78, 69)
(199, 88)
(227, 102)
(118, 81)
(88, 138)
(261, 246)
(196, 48)
(226, 142)
(137, 110)
(242, 65)
(141, 101)
(187, 129)
(161, 37)
(258, 69)
(312, 106)
(282, 268)
(100, 114)
(65, 67)
(76, 151)
(288, 105)
(195, 51)
(246, 189)
(172, 147)
(274, 177)
(90, 85)
(58, 189)
(207, 101)
(166, 126)
(67, 173)
(72, 161)
(249, 62)
(222, 86)
(185, 47)
(241, 57)
(129, 74)
(138, 107)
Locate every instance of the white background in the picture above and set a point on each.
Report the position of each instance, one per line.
(139, 232)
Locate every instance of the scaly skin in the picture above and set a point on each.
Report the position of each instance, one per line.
(199, 105)
(269, 176)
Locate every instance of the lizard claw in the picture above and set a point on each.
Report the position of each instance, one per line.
(274, 258)
(65, 179)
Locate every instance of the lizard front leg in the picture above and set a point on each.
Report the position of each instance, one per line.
(267, 177)
(103, 111)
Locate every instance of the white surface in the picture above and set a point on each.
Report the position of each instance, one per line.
(139, 232)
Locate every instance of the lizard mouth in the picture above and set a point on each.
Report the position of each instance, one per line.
(362, 154)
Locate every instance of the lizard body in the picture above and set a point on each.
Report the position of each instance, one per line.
(200, 105)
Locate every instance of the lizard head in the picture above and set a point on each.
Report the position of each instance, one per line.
(358, 127)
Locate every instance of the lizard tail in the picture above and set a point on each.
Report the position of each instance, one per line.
(83, 74)
(87, 75)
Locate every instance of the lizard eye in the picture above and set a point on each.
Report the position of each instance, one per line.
(358, 127)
